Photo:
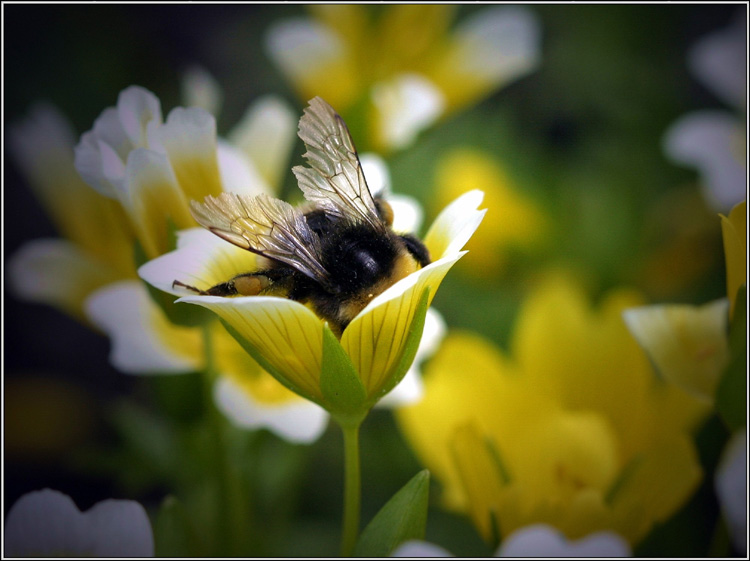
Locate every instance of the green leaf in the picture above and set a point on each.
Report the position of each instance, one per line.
(731, 393)
(172, 534)
(413, 338)
(404, 517)
(339, 382)
(178, 314)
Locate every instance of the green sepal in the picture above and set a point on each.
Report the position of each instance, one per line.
(343, 391)
(404, 517)
(413, 338)
(173, 536)
(731, 393)
(184, 315)
(258, 357)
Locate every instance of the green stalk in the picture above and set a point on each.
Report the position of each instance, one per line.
(352, 488)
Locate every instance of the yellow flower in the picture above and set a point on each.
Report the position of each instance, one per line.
(403, 63)
(571, 430)
(734, 231)
(290, 341)
(513, 223)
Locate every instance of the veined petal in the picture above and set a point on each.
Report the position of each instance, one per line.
(287, 335)
(295, 420)
(492, 47)
(58, 273)
(189, 139)
(688, 344)
(48, 523)
(405, 105)
(375, 339)
(143, 340)
(200, 89)
(411, 388)
(455, 225)
(542, 540)
(266, 135)
(713, 142)
(309, 53)
(201, 259)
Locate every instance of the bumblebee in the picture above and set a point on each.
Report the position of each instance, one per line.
(336, 253)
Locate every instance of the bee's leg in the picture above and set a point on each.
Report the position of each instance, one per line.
(417, 249)
(246, 284)
(183, 285)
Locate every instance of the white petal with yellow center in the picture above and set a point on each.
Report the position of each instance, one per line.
(266, 135)
(455, 225)
(687, 344)
(137, 108)
(201, 259)
(140, 334)
(296, 420)
(237, 172)
(498, 44)
(56, 272)
(406, 104)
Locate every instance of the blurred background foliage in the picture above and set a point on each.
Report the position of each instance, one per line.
(580, 138)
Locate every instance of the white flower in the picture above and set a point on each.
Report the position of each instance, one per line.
(541, 540)
(538, 540)
(48, 524)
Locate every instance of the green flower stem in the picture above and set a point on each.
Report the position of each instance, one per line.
(352, 487)
(233, 519)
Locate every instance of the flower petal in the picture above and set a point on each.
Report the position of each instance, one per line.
(455, 225)
(58, 273)
(406, 105)
(688, 344)
(201, 259)
(153, 199)
(266, 135)
(419, 548)
(718, 60)
(238, 174)
(411, 388)
(140, 334)
(136, 109)
(713, 142)
(309, 53)
(542, 540)
(189, 139)
(490, 48)
(295, 420)
(734, 234)
(375, 339)
(48, 523)
(287, 336)
(200, 89)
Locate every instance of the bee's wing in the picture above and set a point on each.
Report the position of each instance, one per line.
(335, 181)
(266, 226)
